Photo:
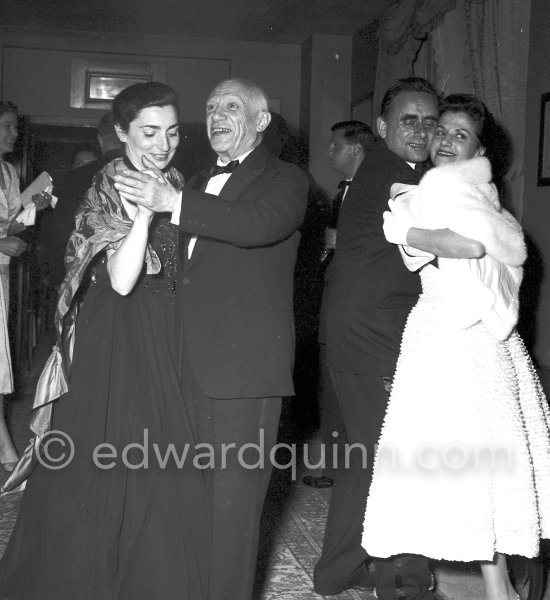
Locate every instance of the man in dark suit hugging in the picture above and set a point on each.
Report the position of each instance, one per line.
(240, 221)
(367, 297)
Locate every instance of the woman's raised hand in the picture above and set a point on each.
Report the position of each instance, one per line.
(148, 188)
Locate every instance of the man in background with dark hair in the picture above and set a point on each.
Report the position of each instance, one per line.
(58, 224)
(367, 298)
(346, 151)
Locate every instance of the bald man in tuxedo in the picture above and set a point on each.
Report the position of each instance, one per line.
(239, 223)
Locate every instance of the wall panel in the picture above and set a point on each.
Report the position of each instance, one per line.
(39, 81)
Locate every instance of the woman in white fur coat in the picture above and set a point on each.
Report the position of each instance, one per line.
(462, 470)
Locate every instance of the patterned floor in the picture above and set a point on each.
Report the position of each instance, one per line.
(294, 526)
(292, 529)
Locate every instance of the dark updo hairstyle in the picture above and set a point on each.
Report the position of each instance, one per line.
(132, 100)
(8, 107)
(470, 105)
(492, 136)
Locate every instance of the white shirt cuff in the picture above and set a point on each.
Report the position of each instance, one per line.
(415, 259)
(177, 212)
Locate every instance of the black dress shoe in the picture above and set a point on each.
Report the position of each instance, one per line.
(365, 584)
(318, 482)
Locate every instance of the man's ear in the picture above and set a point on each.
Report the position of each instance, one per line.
(358, 150)
(120, 134)
(264, 121)
(381, 127)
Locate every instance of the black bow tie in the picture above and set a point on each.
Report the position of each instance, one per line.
(344, 184)
(228, 168)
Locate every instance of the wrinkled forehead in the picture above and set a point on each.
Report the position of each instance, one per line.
(237, 90)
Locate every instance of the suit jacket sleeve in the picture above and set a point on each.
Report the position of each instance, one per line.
(258, 206)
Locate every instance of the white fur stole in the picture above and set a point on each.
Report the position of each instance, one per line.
(460, 196)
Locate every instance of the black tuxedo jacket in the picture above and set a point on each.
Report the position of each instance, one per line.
(235, 292)
(369, 292)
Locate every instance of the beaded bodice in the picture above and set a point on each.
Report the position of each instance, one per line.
(163, 239)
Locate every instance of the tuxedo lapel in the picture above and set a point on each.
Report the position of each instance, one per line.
(245, 174)
(251, 167)
(200, 180)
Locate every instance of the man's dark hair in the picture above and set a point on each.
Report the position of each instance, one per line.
(357, 131)
(408, 84)
(106, 132)
(8, 107)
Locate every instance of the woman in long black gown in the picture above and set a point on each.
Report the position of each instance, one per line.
(124, 519)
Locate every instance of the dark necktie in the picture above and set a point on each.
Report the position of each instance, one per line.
(228, 168)
(337, 204)
(332, 222)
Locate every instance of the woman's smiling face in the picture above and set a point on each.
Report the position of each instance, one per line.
(456, 138)
(154, 133)
(8, 132)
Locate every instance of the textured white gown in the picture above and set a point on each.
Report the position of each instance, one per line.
(463, 463)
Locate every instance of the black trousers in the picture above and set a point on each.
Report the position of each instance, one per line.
(343, 563)
(331, 424)
(236, 481)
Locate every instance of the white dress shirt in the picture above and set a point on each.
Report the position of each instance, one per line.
(214, 187)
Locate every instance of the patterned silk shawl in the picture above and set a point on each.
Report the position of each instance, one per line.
(101, 223)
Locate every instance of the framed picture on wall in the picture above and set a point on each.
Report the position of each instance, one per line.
(101, 87)
(544, 141)
(94, 83)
